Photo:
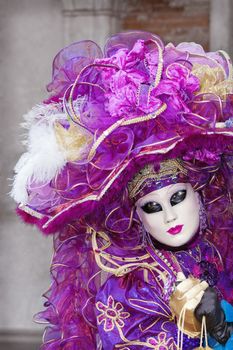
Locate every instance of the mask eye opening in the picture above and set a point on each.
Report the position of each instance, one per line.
(151, 207)
(178, 197)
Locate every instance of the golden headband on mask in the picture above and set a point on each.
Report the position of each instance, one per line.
(168, 169)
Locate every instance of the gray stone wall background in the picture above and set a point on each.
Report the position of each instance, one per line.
(31, 33)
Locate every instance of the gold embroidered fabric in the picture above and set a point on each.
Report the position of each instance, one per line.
(212, 80)
(171, 167)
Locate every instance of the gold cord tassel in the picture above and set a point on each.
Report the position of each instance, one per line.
(203, 336)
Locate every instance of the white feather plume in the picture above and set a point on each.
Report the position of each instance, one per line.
(43, 159)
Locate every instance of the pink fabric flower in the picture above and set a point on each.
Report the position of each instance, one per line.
(130, 89)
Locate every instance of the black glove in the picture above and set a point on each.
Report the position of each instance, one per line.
(216, 325)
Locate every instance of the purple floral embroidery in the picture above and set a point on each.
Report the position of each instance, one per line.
(209, 273)
(161, 342)
(111, 314)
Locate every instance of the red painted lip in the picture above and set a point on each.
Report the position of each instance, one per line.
(175, 230)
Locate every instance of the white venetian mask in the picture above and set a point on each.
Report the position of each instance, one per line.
(170, 214)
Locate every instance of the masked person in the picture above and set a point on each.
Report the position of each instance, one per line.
(129, 164)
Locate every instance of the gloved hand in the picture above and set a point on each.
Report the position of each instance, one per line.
(210, 307)
(186, 296)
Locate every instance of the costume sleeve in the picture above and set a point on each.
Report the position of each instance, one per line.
(132, 316)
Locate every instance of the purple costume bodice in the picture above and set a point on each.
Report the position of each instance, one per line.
(133, 310)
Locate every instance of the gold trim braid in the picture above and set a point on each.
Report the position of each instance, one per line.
(168, 168)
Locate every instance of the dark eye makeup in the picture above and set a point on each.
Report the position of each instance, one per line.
(154, 207)
(151, 207)
(178, 197)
